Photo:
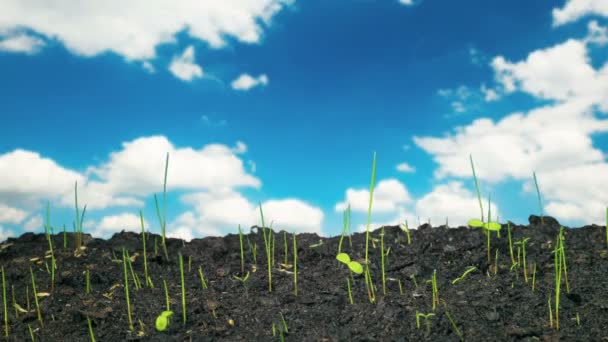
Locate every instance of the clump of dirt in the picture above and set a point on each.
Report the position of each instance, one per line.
(492, 303)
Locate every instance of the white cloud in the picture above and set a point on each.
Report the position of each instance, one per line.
(406, 2)
(5, 234)
(220, 212)
(21, 43)
(148, 67)
(489, 94)
(111, 224)
(10, 214)
(389, 194)
(28, 178)
(576, 9)
(137, 170)
(405, 167)
(597, 34)
(240, 148)
(245, 82)
(134, 29)
(183, 66)
(34, 224)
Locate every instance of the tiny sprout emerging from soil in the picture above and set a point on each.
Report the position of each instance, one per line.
(242, 251)
(267, 242)
(350, 294)
(88, 282)
(452, 321)
(163, 222)
(510, 243)
(369, 211)
(406, 229)
(181, 273)
(203, 282)
(48, 237)
(36, 298)
(29, 327)
(163, 320)
(5, 305)
(295, 265)
(346, 217)
(426, 320)
(413, 277)
(476, 187)
(533, 277)
(400, 287)
(469, 270)
(167, 295)
(383, 256)
(143, 235)
(124, 266)
(91, 334)
(523, 242)
(354, 266)
(433, 282)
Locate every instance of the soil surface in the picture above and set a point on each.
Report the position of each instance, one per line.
(484, 306)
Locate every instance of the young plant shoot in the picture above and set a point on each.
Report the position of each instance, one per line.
(124, 266)
(163, 221)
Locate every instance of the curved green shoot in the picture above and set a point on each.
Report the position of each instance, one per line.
(406, 229)
(242, 251)
(295, 266)
(163, 320)
(203, 282)
(476, 186)
(426, 320)
(469, 270)
(433, 282)
(346, 217)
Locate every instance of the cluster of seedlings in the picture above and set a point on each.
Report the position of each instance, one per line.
(357, 269)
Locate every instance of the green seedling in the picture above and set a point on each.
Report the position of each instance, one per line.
(316, 244)
(183, 283)
(91, 334)
(400, 287)
(36, 298)
(510, 243)
(267, 242)
(559, 259)
(202, 276)
(350, 294)
(523, 242)
(476, 187)
(533, 277)
(143, 236)
(163, 221)
(79, 220)
(163, 320)
(284, 323)
(354, 266)
(346, 218)
(253, 249)
(124, 266)
(469, 270)
(426, 320)
(87, 282)
(29, 327)
(496, 262)
(550, 313)
(406, 229)
(369, 210)
(4, 302)
(433, 282)
(370, 286)
(542, 221)
(295, 265)
(242, 251)
(453, 323)
(413, 277)
(243, 280)
(383, 257)
(48, 237)
(168, 303)
(578, 320)
(133, 274)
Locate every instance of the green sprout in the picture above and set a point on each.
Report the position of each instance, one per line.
(406, 229)
(295, 266)
(533, 277)
(133, 274)
(200, 273)
(163, 221)
(550, 313)
(124, 266)
(346, 218)
(36, 297)
(433, 282)
(163, 320)
(354, 266)
(91, 334)
(476, 187)
(168, 303)
(48, 237)
(426, 320)
(253, 249)
(29, 327)
(143, 235)
(559, 259)
(469, 270)
(350, 294)
(383, 256)
(181, 272)
(242, 252)
(523, 242)
(267, 242)
(79, 220)
(369, 210)
(542, 221)
(87, 281)
(487, 227)
(510, 243)
(4, 302)
(243, 280)
(453, 323)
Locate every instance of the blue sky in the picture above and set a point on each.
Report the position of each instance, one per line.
(285, 102)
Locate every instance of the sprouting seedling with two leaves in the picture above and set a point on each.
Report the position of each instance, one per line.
(354, 266)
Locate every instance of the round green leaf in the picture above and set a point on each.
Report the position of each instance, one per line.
(162, 321)
(355, 267)
(343, 257)
(475, 223)
(493, 226)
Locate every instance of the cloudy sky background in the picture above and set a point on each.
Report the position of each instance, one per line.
(284, 102)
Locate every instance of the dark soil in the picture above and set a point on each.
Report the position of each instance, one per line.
(484, 306)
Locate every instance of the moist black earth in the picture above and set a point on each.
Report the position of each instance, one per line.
(484, 305)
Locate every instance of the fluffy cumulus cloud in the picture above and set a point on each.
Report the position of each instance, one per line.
(388, 196)
(576, 9)
(34, 224)
(245, 82)
(220, 212)
(405, 167)
(183, 66)
(406, 2)
(11, 215)
(134, 29)
(20, 43)
(111, 224)
(5, 234)
(553, 139)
